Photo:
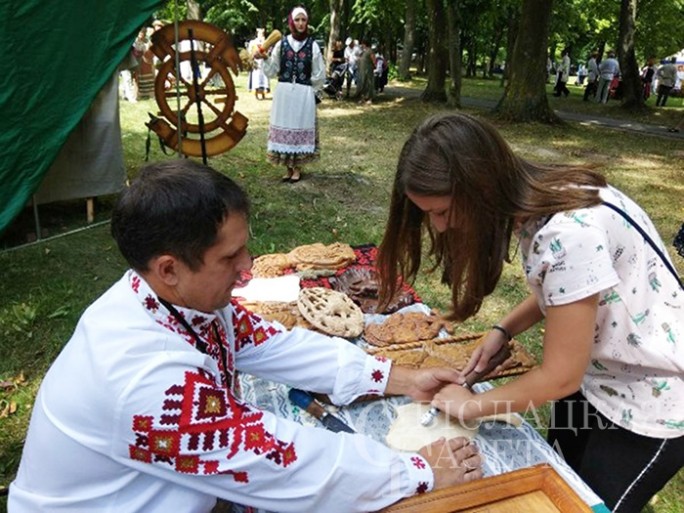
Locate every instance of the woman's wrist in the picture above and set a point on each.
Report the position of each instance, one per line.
(504, 331)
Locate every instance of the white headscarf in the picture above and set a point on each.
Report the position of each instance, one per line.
(297, 11)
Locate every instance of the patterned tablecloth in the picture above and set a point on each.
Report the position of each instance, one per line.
(505, 448)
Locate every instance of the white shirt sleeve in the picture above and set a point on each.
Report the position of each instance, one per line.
(570, 261)
(271, 65)
(178, 424)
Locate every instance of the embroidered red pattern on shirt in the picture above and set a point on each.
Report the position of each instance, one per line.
(250, 329)
(200, 417)
(418, 462)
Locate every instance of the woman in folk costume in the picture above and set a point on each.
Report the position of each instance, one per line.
(298, 63)
(258, 82)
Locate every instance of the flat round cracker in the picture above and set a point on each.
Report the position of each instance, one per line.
(407, 434)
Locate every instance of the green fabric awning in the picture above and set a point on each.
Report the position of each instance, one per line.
(57, 56)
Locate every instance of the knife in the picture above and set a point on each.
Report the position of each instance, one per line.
(306, 402)
(472, 378)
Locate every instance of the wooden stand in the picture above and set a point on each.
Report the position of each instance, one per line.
(540, 489)
(90, 210)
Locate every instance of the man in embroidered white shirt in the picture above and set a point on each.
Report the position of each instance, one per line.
(140, 412)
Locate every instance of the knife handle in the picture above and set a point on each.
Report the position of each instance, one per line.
(497, 359)
(306, 402)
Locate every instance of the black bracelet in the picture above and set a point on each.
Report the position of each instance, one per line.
(504, 331)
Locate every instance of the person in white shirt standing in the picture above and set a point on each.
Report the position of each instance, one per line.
(141, 411)
(667, 77)
(592, 77)
(562, 75)
(608, 69)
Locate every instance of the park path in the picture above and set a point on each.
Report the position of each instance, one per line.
(583, 119)
(590, 119)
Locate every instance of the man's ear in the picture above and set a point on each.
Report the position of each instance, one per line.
(165, 268)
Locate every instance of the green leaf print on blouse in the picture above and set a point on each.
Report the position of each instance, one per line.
(669, 332)
(658, 386)
(598, 365)
(578, 218)
(610, 298)
(654, 282)
(557, 249)
(640, 317)
(672, 424)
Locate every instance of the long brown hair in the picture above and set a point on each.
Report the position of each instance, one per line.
(491, 188)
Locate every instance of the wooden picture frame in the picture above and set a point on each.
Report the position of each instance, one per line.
(539, 488)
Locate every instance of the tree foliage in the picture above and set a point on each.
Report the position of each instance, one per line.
(486, 29)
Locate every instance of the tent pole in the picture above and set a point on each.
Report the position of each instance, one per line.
(36, 217)
(178, 79)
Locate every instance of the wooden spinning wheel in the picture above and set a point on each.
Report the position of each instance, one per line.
(217, 122)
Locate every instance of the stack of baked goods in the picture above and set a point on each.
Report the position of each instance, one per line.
(308, 257)
(361, 285)
(320, 256)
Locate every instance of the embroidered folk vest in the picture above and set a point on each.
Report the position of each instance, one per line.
(296, 66)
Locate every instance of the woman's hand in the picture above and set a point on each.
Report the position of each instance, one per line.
(456, 401)
(492, 344)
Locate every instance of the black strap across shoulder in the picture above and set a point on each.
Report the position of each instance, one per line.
(648, 239)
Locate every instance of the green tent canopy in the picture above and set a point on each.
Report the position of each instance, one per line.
(58, 55)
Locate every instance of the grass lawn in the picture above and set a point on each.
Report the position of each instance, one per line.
(47, 285)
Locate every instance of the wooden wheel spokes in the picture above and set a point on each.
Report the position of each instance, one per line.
(214, 93)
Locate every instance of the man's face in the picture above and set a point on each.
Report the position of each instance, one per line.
(210, 287)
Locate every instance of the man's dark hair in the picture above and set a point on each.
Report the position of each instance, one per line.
(174, 207)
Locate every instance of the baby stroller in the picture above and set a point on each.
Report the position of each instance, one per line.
(615, 89)
(334, 84)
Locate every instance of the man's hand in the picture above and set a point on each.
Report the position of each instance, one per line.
(419, 384)
(453, 461)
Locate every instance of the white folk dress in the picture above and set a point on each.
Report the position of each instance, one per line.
(134, 417)
(293, 134)
(636, 373)
(258, 81)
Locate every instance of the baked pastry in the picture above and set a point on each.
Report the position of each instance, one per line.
(320, 256)
(331, 312)
(271, 265)
(286, 314)
(361, 285)
(405, 327)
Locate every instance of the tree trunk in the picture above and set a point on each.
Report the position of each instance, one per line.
(454, 31)
(335, 12)
(524, 98)
(438, 53)
(511, 35)
(409, 35)
(494, 49)
(632, 96)
(471, 65)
